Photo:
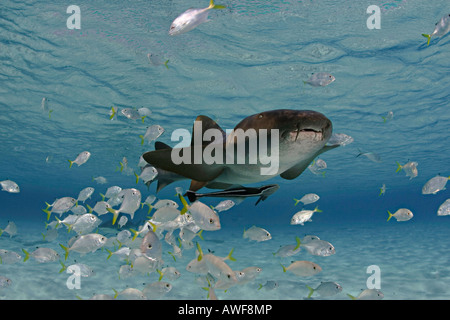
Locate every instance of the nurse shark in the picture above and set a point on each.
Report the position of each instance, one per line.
(262, 146)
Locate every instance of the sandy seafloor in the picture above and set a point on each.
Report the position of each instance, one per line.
(412, 259)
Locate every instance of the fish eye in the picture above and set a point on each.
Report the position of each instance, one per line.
(211, 221)
(260, 116)
(229, 276)
(149, 246)
(167, 285)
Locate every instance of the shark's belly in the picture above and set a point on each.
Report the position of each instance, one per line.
(251, 173)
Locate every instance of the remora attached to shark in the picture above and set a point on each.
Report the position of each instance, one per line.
(293, 138)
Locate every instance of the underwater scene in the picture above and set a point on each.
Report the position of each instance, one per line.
(229, 150)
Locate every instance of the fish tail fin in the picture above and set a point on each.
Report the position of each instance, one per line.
(115, 214)
(150, 207)
(191, 196)
(173, 257)
(113, 113)
(381, 192)
(136, 233)
(1, 232)
(48, 213)
(66, 251)
(89, 208)
(142, 138)
(27, 255)
(200, 234)
(185, 205)
(116, 293)
(260, 286)
(63, 266)
(160, 274)
(317, 209)
(71, 163)
(428, 36)
(142, 118)
(390, 216)
(296, 201)
(384, 118)
(58, 222)
(399, 166)
(305, 82)
(284, 269)
(121, 166)
(311, 291)
(109, 255)
(230, 257)
(200, 252)
(215, 6)
(351, 297)
(298, 243)
(166, 64)
(137, 177)
(103, 196)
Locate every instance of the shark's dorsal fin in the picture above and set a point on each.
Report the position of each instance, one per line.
(206, 124)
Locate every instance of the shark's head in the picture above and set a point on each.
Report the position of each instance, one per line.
(294, 125)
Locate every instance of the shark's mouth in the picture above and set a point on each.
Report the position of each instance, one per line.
(315, 134)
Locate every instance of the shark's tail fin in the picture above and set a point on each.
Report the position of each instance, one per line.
(428, 36)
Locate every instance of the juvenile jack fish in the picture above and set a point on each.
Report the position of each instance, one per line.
(153, 132)
(191, 19)
(257, 234)
(320, 79)
(85, 194)
(441, 29)
(80, 159)
(131, 202)
(303, 268)
(401, 215)
(307, 199)
(9, 186)
(435, 184)
(86, 243)
(410, 169)
(303, 216)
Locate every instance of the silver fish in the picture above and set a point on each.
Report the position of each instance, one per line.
(9, 186)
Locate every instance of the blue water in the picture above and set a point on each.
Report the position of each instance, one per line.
(251, 57)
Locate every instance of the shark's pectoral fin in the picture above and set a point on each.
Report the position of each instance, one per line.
(296, 170)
